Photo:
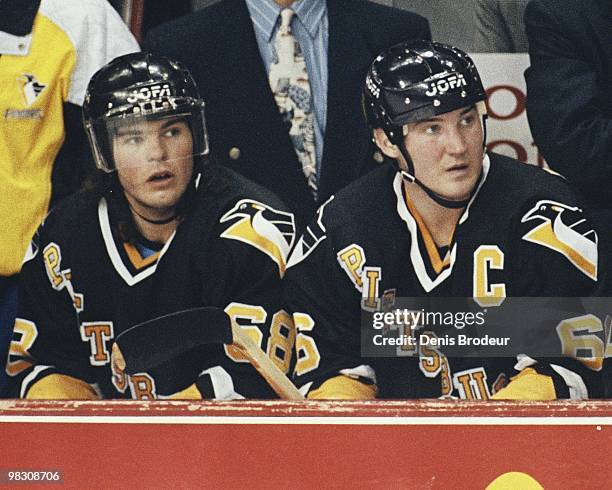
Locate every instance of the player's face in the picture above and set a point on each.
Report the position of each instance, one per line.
(447, 152)
(154, 161)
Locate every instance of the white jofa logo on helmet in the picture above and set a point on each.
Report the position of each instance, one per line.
(445, 84)
(147, 93)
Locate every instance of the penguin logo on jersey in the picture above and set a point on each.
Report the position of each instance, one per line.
(30, 87)
(265, 228)
(564, 229)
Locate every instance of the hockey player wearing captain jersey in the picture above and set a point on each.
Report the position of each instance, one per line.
(159, 230)
(447, 220)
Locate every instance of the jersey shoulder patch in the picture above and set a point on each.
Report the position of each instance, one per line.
(267, 229)
(565, 230)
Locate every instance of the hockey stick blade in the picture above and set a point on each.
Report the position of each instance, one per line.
(161, 339)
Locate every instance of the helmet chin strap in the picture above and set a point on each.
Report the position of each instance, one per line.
(164, 221)
(410, 176)
(434, 196)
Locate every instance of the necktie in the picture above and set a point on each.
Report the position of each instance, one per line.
(291, 88)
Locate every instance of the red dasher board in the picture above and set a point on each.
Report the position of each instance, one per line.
(417, 444)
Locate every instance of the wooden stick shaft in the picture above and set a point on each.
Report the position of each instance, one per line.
(265, 366)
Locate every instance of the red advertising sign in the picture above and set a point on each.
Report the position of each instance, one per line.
(419, 444)
(507, 126)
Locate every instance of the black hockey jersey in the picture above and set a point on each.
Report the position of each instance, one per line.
(81, 286)
(522, 235)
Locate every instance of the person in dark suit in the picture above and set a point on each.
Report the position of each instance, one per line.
(451, 22)
(500, 26)
(227, 48)
(568, 98)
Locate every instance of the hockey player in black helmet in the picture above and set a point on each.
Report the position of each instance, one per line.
(137, 110)
(446, 220)
(151, 236)
(421, 87)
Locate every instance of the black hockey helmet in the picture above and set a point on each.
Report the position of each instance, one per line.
(417, 80)
(137, 87)
(414, 81)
